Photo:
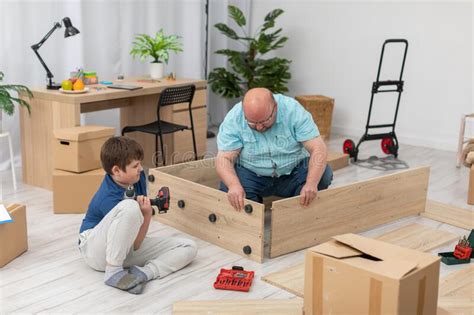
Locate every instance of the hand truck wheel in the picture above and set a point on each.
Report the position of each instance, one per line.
(389, 146)
(349, 148)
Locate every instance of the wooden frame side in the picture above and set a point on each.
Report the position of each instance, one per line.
(232, 230)
(200, 171)
(350, 208)
(449, 214)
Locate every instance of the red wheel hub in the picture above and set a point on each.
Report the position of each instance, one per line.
(386, 144)
(348, 146)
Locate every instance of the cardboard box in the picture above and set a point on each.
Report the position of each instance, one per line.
(470, 191)
(352, 274)
(13, 235)
(72, 192)
(321, 108)
(77, 149)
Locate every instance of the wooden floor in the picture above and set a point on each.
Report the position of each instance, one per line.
(51, 277)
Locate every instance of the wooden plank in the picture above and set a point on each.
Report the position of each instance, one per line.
(337, 160)
(419, 237)
(445, 213)
(347, 209)
(414, 236)
(455, 306)
(458, 284)
(456, 292)
(289, 279)
(195, 171)
(233, 230)
(243, 307)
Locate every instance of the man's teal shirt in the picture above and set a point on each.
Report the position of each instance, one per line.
(277, 150)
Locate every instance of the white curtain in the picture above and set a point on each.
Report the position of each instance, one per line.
(106, 30)
(218, 106)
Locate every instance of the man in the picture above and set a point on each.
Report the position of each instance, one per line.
(269, 145)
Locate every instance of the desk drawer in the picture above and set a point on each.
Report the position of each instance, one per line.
(199, 100)
(103, 105)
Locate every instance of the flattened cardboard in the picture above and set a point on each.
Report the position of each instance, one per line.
(13, 235)
(382, 279)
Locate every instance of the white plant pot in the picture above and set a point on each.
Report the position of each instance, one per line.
(156, 70)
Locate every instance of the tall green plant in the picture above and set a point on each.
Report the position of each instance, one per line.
(7, 100)
(248, 68)
(157, 47)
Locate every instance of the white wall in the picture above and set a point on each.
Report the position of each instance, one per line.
(335, 48)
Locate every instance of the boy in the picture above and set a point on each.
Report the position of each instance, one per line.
(113, 232)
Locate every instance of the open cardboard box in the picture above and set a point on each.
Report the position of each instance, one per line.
(352, 274)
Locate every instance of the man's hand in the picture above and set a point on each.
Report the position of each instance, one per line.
(145, 206)
(236, 195)
(308, 193)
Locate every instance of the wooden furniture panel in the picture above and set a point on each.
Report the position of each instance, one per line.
(414, 236)
(456, 292)
(37, 138)
(441, 212)
(350, 208)
(104, 105)
(239, 307)
(232, 230)
(202, 172)
(470, 188)
(419, 237)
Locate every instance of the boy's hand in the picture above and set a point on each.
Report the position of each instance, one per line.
(145, 205)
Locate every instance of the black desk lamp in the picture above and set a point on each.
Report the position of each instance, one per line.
(70, 31)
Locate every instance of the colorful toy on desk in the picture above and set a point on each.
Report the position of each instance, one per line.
(90, 78)
(106, 82)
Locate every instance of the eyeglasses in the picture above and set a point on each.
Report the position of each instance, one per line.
(253, 125)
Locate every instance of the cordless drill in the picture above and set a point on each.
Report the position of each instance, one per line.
(162, 201)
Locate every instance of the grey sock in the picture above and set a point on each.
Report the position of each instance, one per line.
(110, 271)
(144, 274)
(123, 280)
(138, 289)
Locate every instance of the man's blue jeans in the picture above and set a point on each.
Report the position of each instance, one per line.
(256, 187)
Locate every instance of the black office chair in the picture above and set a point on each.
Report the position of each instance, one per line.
(169, 96)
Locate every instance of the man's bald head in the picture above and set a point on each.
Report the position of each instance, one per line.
(258, 104)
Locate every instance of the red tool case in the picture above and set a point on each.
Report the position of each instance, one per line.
(236, 279)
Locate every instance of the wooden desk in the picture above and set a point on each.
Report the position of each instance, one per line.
(52, 109)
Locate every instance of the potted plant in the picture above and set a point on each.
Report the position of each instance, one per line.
(158, 48)
(7, 100)
(248, 68)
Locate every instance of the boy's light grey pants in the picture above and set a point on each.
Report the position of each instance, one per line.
(112, 241)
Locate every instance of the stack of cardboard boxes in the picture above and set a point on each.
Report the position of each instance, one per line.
(77, 168)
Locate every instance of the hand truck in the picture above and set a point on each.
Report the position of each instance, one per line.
(389, 141)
